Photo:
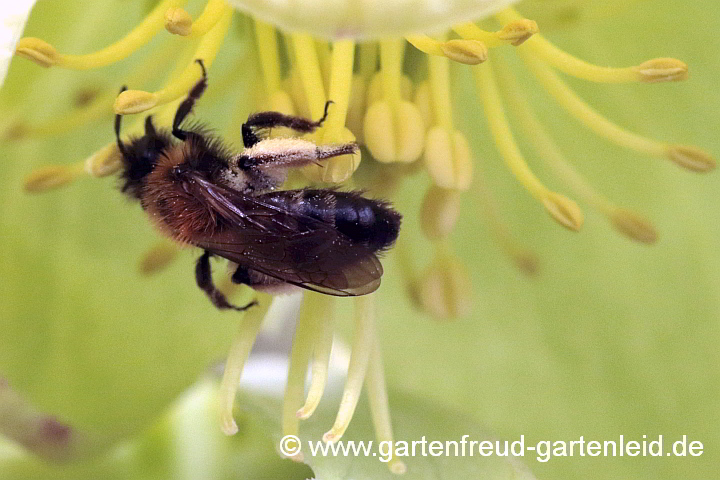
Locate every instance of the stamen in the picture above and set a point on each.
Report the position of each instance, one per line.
(444, 290)
(515, 33)
(104, 162)
(469, 52)
(697, 159)
(238, 355)
(321, 355)
(340, 168)
(136, 101)
(158, 258)
(625, 221)
(45, 54)
(359, 359)
(447, 153)
(308, 67)
(657, 70)
(302, 346)
(51, 177)
(526, 260)
(379, 406)
(179, 22)
(439, 212)
(268, 54)
(563, 210)
(393, 127)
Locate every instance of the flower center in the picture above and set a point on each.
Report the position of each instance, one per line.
(402, 113)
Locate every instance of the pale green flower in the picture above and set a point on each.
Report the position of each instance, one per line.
(608, 337)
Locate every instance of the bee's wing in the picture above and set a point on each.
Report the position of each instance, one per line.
(295, 248)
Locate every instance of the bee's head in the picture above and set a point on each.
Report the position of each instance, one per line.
(140, 156)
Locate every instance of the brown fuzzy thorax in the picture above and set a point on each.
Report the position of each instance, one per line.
(172, 209)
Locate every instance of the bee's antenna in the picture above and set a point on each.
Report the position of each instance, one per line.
(118, 120)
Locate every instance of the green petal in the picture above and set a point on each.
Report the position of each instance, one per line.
(413, 420)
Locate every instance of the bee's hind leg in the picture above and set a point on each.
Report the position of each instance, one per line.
(203, 277)
(258, 123)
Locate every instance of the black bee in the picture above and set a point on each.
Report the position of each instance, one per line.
(198, 193)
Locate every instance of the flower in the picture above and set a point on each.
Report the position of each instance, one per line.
(611, 295)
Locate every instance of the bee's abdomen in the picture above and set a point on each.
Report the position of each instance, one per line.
(362, 220)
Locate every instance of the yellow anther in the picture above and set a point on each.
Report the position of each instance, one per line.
(448, 159)
(158, 258)
(394, 135)
(633, 226)
(513, 33)
(134, 101)
(104, 162)
(662, 70)
(51, 177)
(39, 51)
(564, 211)
(376, 88)
(178, 21)
(439, 212)
(445, 289)
(691, 158)
(469, 52)
(46, 55)
(518, 32)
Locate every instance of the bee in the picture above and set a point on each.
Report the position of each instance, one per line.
(198, 193)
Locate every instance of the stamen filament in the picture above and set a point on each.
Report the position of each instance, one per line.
(320, 357)
(525, 259)
(211, 14)
(267, 48)
(343, 54)
(439, 69)
(359, 360)
(302, 347)
(588, 116)
(136, 101)
(563, 61)
(641, 230)
(238, 355)
(562, 209)
(391, 58)
(380, 407)
(308, 66)
(139, 36)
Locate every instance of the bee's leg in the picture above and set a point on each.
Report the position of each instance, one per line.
(258, 122)
(260, 282)
(203, 277)
(187, 105)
